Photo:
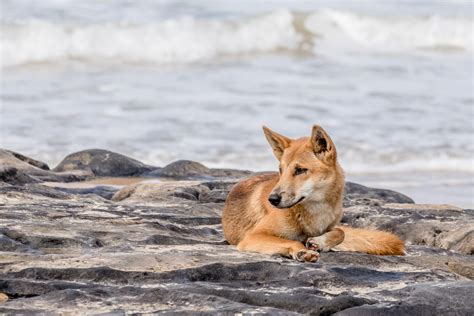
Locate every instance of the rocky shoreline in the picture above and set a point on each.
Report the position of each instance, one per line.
(104, 233)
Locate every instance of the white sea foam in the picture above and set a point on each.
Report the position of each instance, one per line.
(172, 41)
(340, 29)
(418, 164)
(187, 39)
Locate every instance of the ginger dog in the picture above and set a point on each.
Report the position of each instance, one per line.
(295, 213)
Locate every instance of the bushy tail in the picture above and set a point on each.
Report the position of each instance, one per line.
(374, 242)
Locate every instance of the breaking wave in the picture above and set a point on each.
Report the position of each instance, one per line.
(187, 39)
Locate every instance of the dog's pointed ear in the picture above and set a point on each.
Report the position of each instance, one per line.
(322, 145)
(278, 142)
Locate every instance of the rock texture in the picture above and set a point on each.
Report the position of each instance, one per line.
(103, 163)
(157, 246)
(186, 169)
(18, 169)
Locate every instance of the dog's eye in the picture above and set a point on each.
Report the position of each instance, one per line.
(299, 171)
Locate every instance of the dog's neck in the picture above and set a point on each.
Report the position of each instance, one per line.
(316, 218)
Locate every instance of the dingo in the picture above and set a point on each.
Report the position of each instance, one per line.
(295, 213)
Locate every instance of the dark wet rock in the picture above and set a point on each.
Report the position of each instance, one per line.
(14, 176)
(443, 298)
(103, 163)
(44, 241)
(193, 193)
(107, 192)
(207, 192)
(357, 194)
(214, 196)
(183, 169)
(67, 176)
(9, 244)
(192, 170)
(157, 247)
(220, 185)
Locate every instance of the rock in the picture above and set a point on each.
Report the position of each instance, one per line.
(159, 191)
(214, 196)
(443, 298)
(191, 170)
(39, 191)
(18, 169)
(230, 173)
(356, 194)
(30, 161)
(225, 185)
(103, 163)
(193, 193)
(447, 227)
(157, 247)
(14, 176)
(184, 169)
(207, 192)
(106, 192)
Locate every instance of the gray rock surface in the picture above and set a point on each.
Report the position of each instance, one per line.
(19, 169)
(186, 169)
(357, 194)
(157, 246)
(103, 163)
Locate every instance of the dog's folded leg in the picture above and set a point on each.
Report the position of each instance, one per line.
(269, 244)
(326, 241)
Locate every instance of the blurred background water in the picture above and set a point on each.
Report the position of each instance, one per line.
(391, 81)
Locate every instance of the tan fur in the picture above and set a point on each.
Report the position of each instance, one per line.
(310, 185)
(374, 242)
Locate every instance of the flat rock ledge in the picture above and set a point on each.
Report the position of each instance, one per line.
(72, 241)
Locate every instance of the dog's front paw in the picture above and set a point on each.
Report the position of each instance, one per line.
(306, 255)
(315, 244)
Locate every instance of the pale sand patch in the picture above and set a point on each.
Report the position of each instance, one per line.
(117, 181)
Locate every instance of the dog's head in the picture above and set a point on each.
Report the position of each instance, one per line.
(308, 167)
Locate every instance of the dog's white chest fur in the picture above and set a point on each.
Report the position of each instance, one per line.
(317, 218)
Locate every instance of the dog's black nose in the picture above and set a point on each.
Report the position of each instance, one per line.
(274, 199)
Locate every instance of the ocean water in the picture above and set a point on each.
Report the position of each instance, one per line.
(391, 81)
